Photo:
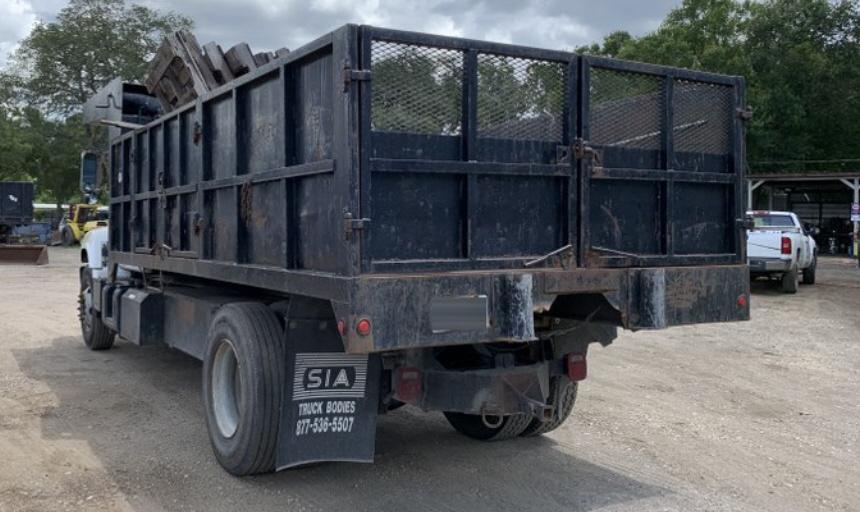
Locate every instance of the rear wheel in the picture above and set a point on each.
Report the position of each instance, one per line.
(809, 273)
(562, 395)
(97, 336)
(488, 428)
(243, 381)
(789, 281)
(67, 237)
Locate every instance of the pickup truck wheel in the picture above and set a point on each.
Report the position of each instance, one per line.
(97, 336)
(562, 394)
(789, 281)
(243, 381)
(809, 273)
(488, 428)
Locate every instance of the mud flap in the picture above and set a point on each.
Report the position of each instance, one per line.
(331, 399)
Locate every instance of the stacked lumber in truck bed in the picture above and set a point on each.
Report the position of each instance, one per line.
(181, 70)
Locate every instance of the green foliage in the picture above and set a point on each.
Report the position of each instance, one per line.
(417, 93)
(799, 58)
(56, 68)
(53, 159)
(13, 148)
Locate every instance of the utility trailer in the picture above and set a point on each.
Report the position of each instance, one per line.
(383, 218)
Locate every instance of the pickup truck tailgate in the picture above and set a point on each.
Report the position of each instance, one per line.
(764, 244)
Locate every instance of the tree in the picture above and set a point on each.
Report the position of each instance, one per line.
(804, 56)
(62, 63)
(13, 148)
(57, 67)
(53, 153)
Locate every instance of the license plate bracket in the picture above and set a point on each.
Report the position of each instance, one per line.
(464, 313)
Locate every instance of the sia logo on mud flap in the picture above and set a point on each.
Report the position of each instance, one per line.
(333, 378)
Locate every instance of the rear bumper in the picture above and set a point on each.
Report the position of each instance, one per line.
(767, 265)
(399, 306)
(494, 391)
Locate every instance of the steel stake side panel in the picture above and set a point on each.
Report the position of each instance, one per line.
(260, 173)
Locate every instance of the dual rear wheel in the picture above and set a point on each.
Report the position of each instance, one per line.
(562, 395)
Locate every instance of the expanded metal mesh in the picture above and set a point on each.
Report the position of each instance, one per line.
(416, 89)
(626, 109)
(702, 117)
(520, 98)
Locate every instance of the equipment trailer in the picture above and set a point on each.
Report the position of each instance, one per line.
(383, 218)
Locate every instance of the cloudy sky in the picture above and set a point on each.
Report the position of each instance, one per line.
(271, 24)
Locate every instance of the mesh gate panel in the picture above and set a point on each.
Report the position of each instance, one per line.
(416, 89)
(626, 109)
(702, 117)
(520, 98)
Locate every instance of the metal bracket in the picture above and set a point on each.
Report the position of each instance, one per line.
(744, 114)
(564, 257)
(582, 150)
(350, 75)
(350, 224)
(578, 150)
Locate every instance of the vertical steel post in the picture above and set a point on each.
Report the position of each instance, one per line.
(751, 186)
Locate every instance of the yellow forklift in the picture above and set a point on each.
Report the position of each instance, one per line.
(84, 217)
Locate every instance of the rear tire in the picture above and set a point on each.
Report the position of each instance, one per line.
(97, 336)
(472, 425)
(789, 281)
(562, 395)
(67, 237)
(243, 382)
(809, 273)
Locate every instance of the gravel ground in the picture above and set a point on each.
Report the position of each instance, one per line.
(759, 416)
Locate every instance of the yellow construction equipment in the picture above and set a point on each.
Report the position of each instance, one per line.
(82, 219)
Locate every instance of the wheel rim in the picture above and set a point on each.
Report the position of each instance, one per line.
(226, 388)
(87, 308)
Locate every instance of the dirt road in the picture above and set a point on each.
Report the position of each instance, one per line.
(758, 416)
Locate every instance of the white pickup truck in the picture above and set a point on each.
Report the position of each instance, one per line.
(779, 247)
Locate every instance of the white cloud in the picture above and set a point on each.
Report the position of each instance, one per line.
(271, 24)
(16, 19)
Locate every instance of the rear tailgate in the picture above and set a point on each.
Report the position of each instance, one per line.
(477, 155)
(764, 244)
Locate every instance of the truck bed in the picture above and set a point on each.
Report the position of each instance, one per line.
(374, 161)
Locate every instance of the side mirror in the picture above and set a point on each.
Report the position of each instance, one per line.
(89, 171)
(747, 222)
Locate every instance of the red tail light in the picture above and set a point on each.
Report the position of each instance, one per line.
(363, 327)
(786, 245)
(407, 384)
(577, 369)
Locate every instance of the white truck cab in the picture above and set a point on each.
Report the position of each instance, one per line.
(779, 247)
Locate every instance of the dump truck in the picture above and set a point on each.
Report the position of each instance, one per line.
(16, 214)
(384, 218)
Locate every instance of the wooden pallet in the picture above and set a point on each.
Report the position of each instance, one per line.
(181, 70)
